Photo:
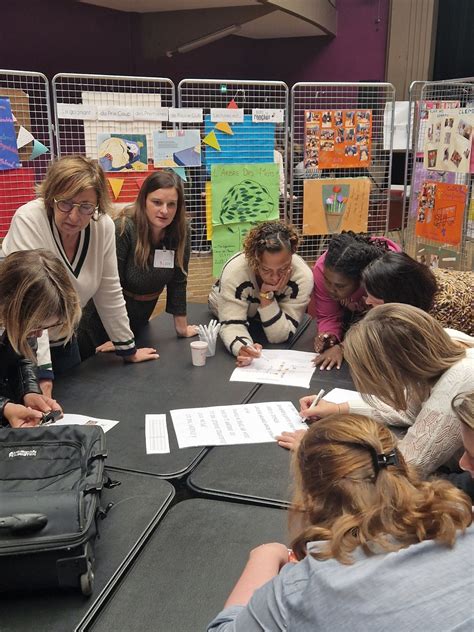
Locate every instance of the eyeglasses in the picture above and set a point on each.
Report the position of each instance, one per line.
(84, 208)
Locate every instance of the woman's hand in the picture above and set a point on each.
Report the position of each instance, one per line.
(19, 416)
(41, 402)
(47, 387)
(324, 341)
(142, 355)
(107, 347)
(323, 409)
(332, 357)
(290, 440)
(281, 285)
(248, 353)
(188, 332)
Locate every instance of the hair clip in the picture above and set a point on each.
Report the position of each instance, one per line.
(381, 461)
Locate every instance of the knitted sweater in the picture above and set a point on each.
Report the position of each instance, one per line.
(237, 296)
(434, 431)
(93, 272)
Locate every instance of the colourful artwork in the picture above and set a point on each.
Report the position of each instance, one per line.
(330, 206)
(420, 175)
(227, 241)
(249, 143)
(441, 212)
(337, 139)
(122, 152)
(9, 158)
(244, 193)
(177, 148)
(438, 257)
(448, 140)
(17, 187)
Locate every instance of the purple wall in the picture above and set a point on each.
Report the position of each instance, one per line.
(64, 36)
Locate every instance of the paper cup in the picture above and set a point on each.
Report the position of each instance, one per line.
(198, 352)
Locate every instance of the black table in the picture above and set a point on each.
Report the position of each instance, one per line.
(104, 387)
(184, 574)
(139, 503)
(260, 472)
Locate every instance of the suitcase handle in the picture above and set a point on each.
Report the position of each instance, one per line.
(19, 523)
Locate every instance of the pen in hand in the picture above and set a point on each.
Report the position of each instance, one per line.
(315, 401)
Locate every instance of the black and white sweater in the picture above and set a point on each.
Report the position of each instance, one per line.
(235, 299)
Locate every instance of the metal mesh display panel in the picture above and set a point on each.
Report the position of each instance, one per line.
(372, 97)
(215, 93)
(28, 96)
(78, 136)
(424, 96)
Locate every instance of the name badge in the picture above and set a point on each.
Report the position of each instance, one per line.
(163, 259)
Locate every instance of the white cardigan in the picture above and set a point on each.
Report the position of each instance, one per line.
(93, 272)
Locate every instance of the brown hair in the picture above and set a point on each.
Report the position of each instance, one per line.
(397, 352)
(463, 406)
(70, 175)
(35, 287)
(272, 236)
(176, 232)
(344, 500)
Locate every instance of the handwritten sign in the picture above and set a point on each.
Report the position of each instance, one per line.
(267, 116)
(185, 115)
(227, 115)
(77, 111)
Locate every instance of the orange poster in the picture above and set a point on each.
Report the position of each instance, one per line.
(441, 212)
(337, 139)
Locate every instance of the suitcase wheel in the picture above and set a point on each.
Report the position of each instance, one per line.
(87, 580)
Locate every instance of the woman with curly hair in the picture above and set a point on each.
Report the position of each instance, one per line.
(267, 282)
(338, 298)
(373, 546)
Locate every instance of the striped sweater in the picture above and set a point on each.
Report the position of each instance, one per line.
(236, 297)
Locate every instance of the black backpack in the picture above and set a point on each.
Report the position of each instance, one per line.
(50, 484)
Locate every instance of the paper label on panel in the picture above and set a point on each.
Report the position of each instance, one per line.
(185, 115)
(77, 111)
(115, 113)
(267, 116)
(150, 114)
(227, 115)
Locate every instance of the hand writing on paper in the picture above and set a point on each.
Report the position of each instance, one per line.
(248, 353)
(322, 409)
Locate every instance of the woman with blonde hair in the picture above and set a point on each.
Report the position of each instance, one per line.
(267, 283)
(153, 247)
(375, 547)
(70, 220)
(36, 294)
(407, 370)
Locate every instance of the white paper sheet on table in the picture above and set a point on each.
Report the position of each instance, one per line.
(85, 420)
(156, 434)
(229, 425)
(289, 368)
(341, 395)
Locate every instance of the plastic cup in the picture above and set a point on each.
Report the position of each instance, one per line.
(198, 352)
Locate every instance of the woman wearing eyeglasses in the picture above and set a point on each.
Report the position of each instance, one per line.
(267, 282)
(69, 219)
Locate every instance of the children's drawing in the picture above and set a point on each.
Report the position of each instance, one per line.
(330, 206)
(120, 152)
(441, 212)
(177, 148)
(244, 193)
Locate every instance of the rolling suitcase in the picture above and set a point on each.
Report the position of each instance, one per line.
(50, 484)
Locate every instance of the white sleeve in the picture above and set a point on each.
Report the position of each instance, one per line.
(109, 299)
